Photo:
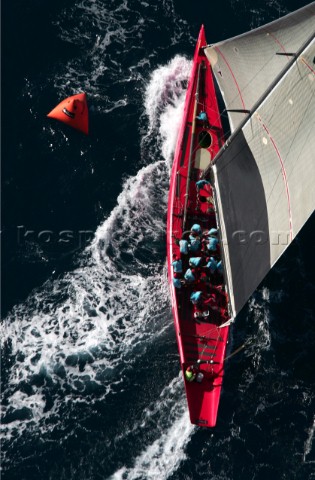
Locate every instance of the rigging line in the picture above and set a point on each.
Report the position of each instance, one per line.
(263, 97)
(277, 41)
(203, 350)
(283, 170)
(240, 151)
(233, 76)
(239, 349)
(217, 339)
(213, 329)
(259, 72)
(297, 131)
(289, 150)
(308, 66)
(217, 342)
(201, 337)
(216, 346)
(213, 144)
(227, 323)
(246, 256)
(221, 114)
(233, 158)
(191, 144)
(200, 354)
(217, 113)
(252, 79)
(279, 173)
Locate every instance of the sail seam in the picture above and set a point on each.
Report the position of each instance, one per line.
(260, 102)
(278, 42)
(307, 65)
(283, 170)
(233, 76)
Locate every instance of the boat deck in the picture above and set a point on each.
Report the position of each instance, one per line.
(201, 338)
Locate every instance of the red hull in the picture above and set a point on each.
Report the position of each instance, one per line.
(201, 342)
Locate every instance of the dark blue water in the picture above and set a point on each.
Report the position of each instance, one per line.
(90, 372)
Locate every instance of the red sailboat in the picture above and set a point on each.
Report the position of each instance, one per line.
(235, 206)
(200, 330)
(74, 112)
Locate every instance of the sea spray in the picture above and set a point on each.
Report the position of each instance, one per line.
(76, 337)
(172, 429)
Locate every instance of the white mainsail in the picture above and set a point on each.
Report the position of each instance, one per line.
(264, 178)
(246, 65)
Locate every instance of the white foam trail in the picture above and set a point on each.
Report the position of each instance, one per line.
(163, 456)
(165, 96)
(74, 331)
(106, 314)
(309, 441)
(170, 124)
(261, 316)
(260, 339)
(132, 215)
(106, 32)
(114, 31)
(165, 88)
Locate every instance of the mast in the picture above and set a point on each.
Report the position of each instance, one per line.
(223, 255)
(260, 189)
(293, 59)
(193, 130)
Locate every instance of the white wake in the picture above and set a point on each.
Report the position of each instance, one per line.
(76, 332)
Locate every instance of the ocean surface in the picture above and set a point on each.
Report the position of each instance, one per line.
(90, 379)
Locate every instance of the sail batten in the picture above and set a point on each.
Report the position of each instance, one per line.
(246, 65)
(265, 176)
(259, 189)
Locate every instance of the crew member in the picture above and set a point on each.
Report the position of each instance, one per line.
(190, 373)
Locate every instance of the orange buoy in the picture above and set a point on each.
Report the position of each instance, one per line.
(74, 112)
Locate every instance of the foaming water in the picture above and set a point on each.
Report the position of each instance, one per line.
(173, 429)
(259, 310)
(77, 337)
(90, 371)
(309, 441)
(114, 48)
(165, 88)
(104, 31)
(164, 104)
